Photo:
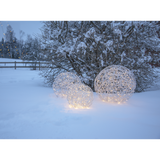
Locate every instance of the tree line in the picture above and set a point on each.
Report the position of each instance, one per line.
(12, 47)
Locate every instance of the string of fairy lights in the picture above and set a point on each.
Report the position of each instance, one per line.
(6, 44)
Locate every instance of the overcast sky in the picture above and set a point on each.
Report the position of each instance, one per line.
(28, 27)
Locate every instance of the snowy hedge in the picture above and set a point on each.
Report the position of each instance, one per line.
(87, 47)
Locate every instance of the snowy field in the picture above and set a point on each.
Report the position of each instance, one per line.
(29, 110)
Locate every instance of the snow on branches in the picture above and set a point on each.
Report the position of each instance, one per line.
(87, 47)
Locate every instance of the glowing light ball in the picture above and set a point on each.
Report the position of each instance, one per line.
(80, 96)
(115, 83)
(62, 83)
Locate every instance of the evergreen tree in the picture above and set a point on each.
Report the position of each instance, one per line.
(3, 49)
(10, 37)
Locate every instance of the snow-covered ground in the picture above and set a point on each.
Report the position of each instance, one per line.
(29, 110)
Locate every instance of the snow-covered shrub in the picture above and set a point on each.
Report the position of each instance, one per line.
(87, 47)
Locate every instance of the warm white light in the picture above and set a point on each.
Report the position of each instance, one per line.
(78, 107)
(80, 96)
(62, 83)
(115, 84)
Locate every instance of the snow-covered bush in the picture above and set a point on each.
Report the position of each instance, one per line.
(87, 47)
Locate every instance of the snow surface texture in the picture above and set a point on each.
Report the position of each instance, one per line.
(80, 96)
(115, 83)
(29, 110)
(62, 83)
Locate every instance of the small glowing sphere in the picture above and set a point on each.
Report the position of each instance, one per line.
(115, 83)
(62, 83)
(80, 96)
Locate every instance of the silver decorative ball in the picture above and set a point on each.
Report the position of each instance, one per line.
(80, 96)
(115, 83)
(62, 83)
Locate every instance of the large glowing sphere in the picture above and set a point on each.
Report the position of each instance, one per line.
(115, 83)
(80, 96)
(62, 83)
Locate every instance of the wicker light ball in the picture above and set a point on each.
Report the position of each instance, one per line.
(80, 96)
(115, 83)
(62, 83)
